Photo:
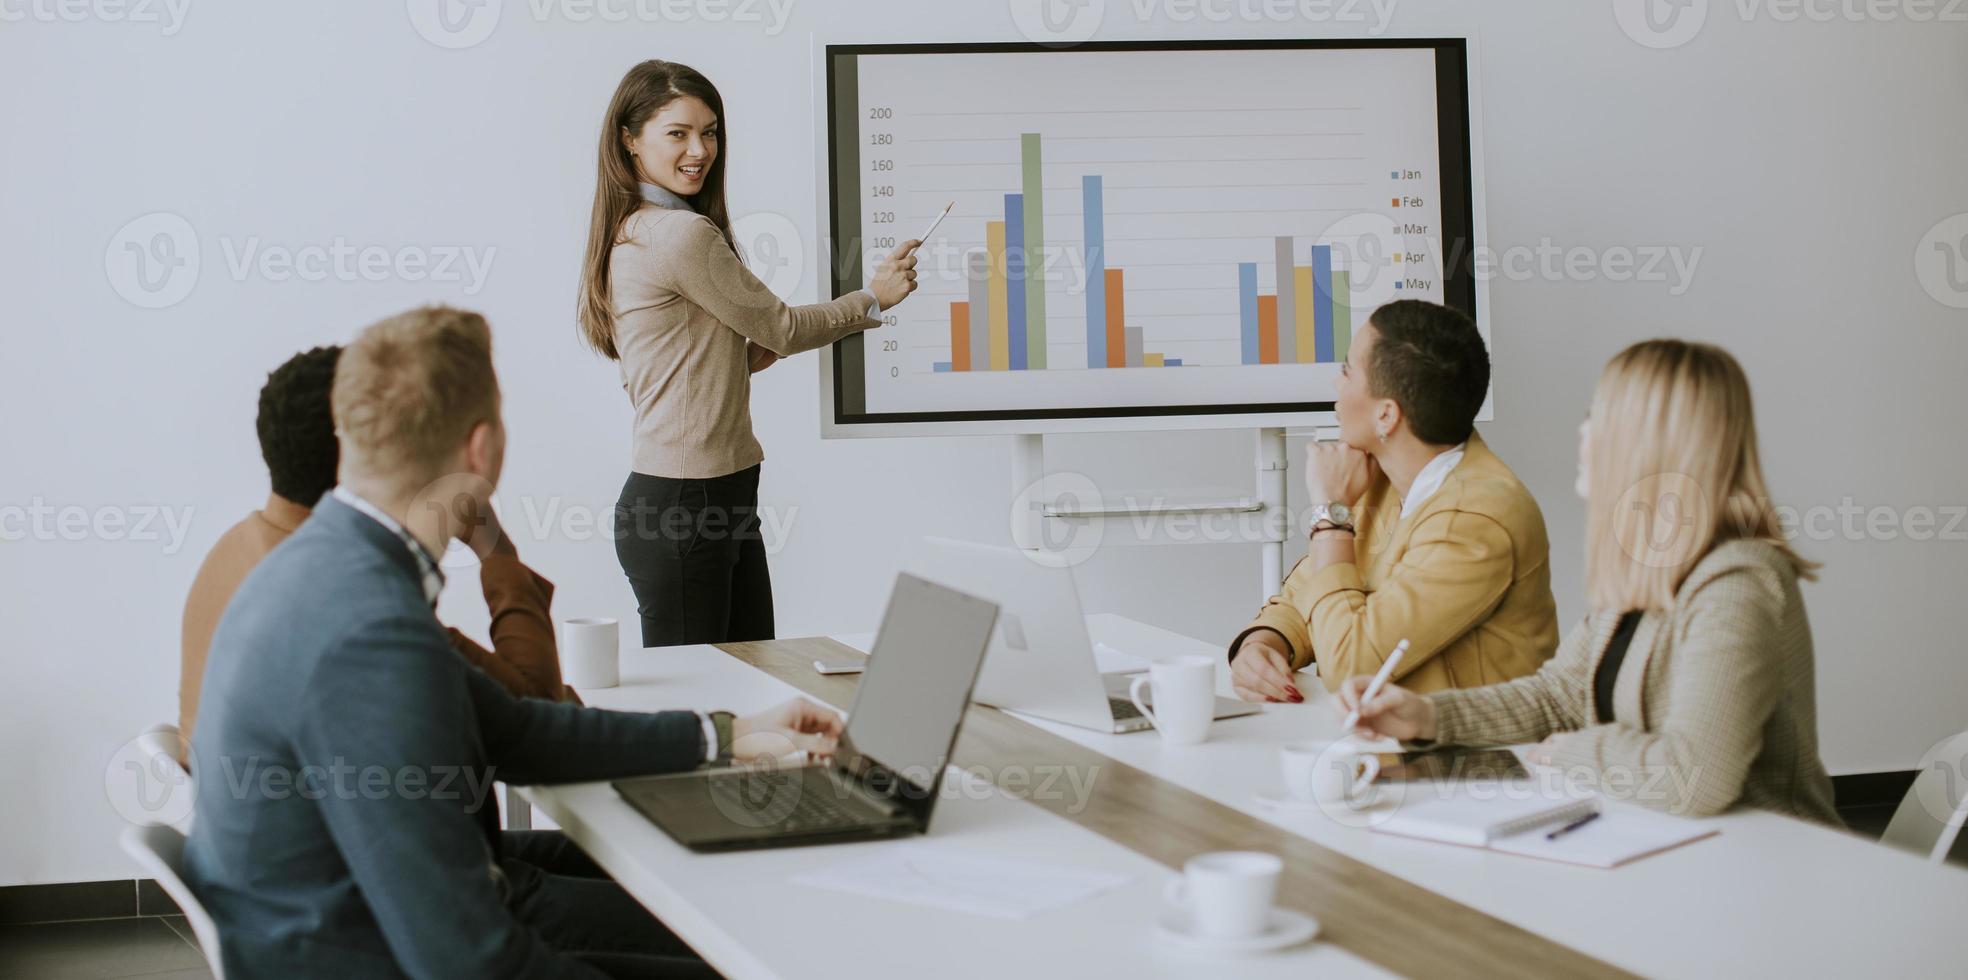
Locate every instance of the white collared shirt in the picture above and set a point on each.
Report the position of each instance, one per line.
(431, 574)
(1431, 477)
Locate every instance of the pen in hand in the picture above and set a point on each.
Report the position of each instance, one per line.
(1374, 686)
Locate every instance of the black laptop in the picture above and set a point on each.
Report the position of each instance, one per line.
(883, 780)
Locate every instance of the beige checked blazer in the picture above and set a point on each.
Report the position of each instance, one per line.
(1715, 703)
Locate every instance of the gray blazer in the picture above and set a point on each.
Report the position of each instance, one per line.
(344, 755)
(1716, 700)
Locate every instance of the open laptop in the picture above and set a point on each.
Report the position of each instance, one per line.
(1041, 660)
(884, 777)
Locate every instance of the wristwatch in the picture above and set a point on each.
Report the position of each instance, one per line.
(1329, 517)
(721, 721)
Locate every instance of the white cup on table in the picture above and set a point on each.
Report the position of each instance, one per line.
(1183, 693)
(1330, 773)
(590, 652)
(1227, 894)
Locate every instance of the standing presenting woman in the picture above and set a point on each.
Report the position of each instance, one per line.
(665, 294)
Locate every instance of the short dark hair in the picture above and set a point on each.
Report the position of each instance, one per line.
(297, 425)
(1431, 360)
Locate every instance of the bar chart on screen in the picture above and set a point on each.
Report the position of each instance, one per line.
(1138, 228)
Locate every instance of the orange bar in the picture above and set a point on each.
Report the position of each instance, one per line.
(959, 336)
(1267, 329)
(1116, 334)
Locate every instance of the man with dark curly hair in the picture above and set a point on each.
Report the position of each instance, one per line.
(297, 439)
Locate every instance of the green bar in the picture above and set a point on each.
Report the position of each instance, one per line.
(1035, 325)
(1342, 319)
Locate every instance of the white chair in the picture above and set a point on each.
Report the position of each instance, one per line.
(158, 748)
(1930, 816)
(159, 849)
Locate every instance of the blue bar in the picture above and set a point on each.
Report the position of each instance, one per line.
(1096, 271)
(1247, 308)
(1322, 305)
(1171, 362)
(1015, 278)
(940, 367)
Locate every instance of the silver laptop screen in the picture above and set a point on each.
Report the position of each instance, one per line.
(912, 696)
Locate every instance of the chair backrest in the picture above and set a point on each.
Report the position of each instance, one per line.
(1930, 816)
(159, 849)
(163, 741)
(165, 785)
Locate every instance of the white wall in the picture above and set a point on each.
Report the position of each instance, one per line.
(1805, 161)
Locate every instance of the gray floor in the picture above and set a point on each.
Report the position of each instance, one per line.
(154, 947)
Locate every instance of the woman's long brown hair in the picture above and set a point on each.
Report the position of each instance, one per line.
(644, 91)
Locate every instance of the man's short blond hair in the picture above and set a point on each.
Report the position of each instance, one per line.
(411, 388)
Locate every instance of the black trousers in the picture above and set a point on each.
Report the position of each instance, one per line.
(565, 898)
(695, 558)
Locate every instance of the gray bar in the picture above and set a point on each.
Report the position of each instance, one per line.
(977, 269)
(1287, 310)
(1133, 335)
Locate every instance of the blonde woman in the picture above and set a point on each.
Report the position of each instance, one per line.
(664, 294)
(1690, 686)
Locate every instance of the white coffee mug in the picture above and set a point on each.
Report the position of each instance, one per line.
(1330, 773)
(1184, 696)
(1228, 894)
(590, 652)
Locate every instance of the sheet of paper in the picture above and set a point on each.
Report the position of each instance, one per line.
(960, 880)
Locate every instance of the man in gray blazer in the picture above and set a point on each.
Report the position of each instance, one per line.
(345, 753)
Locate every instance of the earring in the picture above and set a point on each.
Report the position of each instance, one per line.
(1383, 437)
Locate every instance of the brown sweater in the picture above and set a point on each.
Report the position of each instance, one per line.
(684, 308)
(523, 657)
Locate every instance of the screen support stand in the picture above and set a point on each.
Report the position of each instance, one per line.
(1262, 519)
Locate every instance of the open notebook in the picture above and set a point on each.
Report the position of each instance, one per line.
(1518, 826)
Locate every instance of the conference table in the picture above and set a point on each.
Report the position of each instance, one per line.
(1766, 895)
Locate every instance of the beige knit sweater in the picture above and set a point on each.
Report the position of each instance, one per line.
(1715, 704)
(684, 308)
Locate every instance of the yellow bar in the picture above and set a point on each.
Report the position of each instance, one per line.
(994, 243)
(1151, 360)
(1302, 314)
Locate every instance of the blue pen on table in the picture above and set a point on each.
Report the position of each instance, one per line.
(1574, 825)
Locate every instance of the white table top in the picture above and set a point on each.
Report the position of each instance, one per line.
(744, 916)
(1770, 895)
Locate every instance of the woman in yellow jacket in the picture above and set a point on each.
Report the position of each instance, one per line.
(665, 294)
(1691, 687)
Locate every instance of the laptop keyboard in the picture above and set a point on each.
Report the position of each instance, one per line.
(1123, 708)
(753, 791)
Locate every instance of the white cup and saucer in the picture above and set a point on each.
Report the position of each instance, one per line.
(1222, 903)
(1325, 775)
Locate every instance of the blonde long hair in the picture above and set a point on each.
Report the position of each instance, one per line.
(1673, 472)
